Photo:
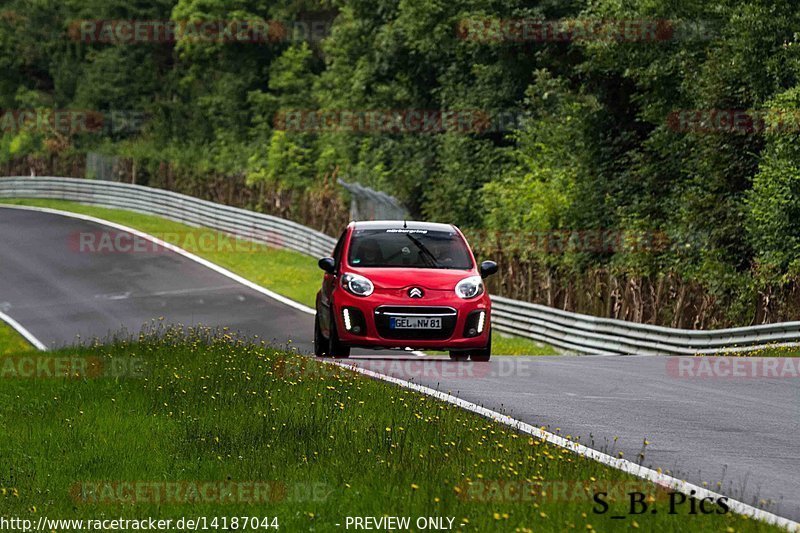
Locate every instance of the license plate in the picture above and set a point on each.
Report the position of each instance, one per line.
(415, 322)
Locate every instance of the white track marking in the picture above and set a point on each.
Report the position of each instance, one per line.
(624, 465)
(22, 331)
(579, 449)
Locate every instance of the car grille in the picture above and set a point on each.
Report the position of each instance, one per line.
(384, 313)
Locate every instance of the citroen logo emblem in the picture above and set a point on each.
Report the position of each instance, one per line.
(415, 292)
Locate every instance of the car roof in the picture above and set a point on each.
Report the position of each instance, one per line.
(402, 224)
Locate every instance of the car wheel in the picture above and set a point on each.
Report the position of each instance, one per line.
(335, 347)
(459, 356)
(485, 354)
(320, 342)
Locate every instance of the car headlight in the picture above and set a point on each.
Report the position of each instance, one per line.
(469, 287)
(358, 285)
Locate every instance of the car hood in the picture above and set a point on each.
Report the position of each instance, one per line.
(427, 278)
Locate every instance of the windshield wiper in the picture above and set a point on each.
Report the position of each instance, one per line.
(429, 257)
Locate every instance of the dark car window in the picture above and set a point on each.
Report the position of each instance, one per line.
(414, 248)
(337, 252)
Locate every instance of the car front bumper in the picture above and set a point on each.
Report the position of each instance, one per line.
(366, 323)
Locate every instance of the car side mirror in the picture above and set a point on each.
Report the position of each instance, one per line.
(328, 264)
(488, 268)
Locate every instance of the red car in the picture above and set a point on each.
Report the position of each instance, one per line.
(403, 284)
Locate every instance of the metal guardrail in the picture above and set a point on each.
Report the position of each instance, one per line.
(591, 334)
(571, 331)
(192, 211)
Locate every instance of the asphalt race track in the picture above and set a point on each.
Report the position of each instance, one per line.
(57, 292)
(741, 432)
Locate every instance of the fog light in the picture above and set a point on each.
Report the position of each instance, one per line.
(476, 323)
(354, 321)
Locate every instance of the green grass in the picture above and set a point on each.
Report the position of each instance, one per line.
(768, 351)
(285, 272)
(11, 341)
(504, 344)
(209, 408)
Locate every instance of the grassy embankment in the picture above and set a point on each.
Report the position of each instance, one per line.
(318, 442)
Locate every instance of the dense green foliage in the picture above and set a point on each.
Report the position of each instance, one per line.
(602, 143)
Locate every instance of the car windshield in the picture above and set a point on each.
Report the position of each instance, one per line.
(410, 248)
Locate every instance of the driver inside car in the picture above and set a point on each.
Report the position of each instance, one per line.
(369, 253)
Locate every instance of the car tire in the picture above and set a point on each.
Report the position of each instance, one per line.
(483, 355)
(459, 356)
(335, 347)
(320, 342)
